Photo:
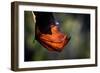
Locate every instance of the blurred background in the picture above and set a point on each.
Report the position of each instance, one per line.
(75, 25)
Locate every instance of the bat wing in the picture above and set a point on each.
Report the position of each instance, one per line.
(55, 41)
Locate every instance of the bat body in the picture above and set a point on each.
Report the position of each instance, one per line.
(47, 33)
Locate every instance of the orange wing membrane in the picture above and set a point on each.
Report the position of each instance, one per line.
(54, 41)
